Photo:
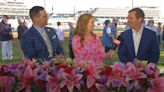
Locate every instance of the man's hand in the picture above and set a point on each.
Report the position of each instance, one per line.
(117, 42)
(60, 58)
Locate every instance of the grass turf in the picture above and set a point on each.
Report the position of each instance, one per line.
(18, 55)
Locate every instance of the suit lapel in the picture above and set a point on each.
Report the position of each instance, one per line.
(37, 34)
(49, 34)
(141, 41)
(131, 42)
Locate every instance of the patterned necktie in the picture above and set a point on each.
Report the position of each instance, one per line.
(48, 43)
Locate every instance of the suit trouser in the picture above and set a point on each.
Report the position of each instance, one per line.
(6, 50)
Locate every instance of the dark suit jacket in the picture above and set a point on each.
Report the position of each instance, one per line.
(148, 48)
(33, 45)
(5, 32)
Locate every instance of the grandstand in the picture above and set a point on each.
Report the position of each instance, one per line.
(121, 13)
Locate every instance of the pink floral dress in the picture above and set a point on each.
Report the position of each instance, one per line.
(91, 52)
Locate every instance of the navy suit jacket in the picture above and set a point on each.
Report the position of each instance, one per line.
(34, 46)
(148, 48)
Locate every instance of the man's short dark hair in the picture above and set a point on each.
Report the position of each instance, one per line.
(58, 23)
(6, 16)
(139, 13)
(151, 21)
(107, 22)
(34, 11)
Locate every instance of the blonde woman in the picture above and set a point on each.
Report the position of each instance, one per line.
(86, 45)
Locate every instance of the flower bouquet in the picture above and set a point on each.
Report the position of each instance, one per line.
(133, 76)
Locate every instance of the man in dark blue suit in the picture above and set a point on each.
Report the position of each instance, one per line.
(138, 42)
(40, 42)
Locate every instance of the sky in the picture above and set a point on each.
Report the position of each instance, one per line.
(68, 6)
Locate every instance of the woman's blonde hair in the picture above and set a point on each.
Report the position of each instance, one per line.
(82, 26)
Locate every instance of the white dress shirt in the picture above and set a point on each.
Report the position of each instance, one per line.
(60, 33)
(137, 38)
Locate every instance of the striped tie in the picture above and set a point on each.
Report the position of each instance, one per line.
(48, 43)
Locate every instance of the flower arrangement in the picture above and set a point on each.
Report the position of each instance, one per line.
(133, 76)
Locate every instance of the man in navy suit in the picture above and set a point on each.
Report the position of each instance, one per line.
(138, 42)
(40, 42)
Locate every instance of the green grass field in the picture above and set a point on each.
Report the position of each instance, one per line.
(18, 56)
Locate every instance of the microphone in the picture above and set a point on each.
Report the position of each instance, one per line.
(116, 42)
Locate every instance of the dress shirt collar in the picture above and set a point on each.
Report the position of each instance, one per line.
(140, 31)
(39, 29)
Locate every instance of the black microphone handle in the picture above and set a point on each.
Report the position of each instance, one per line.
(115, 45)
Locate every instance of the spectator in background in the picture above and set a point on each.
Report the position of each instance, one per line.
(60, 34)
(127, 27)
(107, 36)
(114, 28)
(138, 42)
(151, 26)
(22, 27)
(6, 37)
(71, 34)
(159, 30)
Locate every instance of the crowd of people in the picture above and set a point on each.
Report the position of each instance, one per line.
(138, 41)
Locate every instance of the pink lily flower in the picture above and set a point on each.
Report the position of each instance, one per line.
(4, 69)
(54, 84)
(107, 71)
(72, 80)
(27, 78)
(157, 85)
(140, 64)
(27, 62)
(118, 68)
(132, 73)
(6, 83)
(152, 71)
(92, 73)
(116, 79)
(46, 64)
(102, 84)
